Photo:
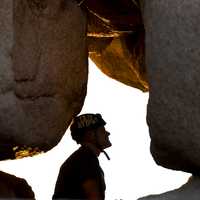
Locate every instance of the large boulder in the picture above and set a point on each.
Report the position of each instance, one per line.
(12, 187)
(123, 60)
(43, 71)
(172, 56)
(189, 191)
(116, 40)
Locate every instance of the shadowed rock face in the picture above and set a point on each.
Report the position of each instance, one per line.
(172, 55)
(43, 71)
(189, 191)
(12, 187)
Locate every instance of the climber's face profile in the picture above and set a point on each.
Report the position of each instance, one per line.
(90, 128)
(102, 137)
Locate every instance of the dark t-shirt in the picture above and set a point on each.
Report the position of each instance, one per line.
(82, 165)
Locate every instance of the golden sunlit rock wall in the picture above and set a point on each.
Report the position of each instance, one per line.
(116, 40)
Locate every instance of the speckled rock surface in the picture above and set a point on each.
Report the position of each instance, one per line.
(172, 56)
(189, 191)
(12, 187)
(43, 70)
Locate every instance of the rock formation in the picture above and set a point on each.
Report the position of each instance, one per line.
(12, 187)
(172, 57)
(116, 40)
(189, 191)
(43, 71)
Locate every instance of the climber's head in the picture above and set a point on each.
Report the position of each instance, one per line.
(89, 128)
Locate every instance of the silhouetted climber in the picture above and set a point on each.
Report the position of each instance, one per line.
(81, 176)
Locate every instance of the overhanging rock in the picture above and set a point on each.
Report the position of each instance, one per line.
(43, 71)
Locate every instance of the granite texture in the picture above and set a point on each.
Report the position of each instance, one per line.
(172, 56)
(43, 71)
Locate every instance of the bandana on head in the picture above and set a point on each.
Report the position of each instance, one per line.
(85, 121)
(88, 121)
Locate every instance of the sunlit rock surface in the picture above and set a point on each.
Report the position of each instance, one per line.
(12, 187)
(172, 57)
(116, 40)
(43, 71)
(122, 62)
(189, 191)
